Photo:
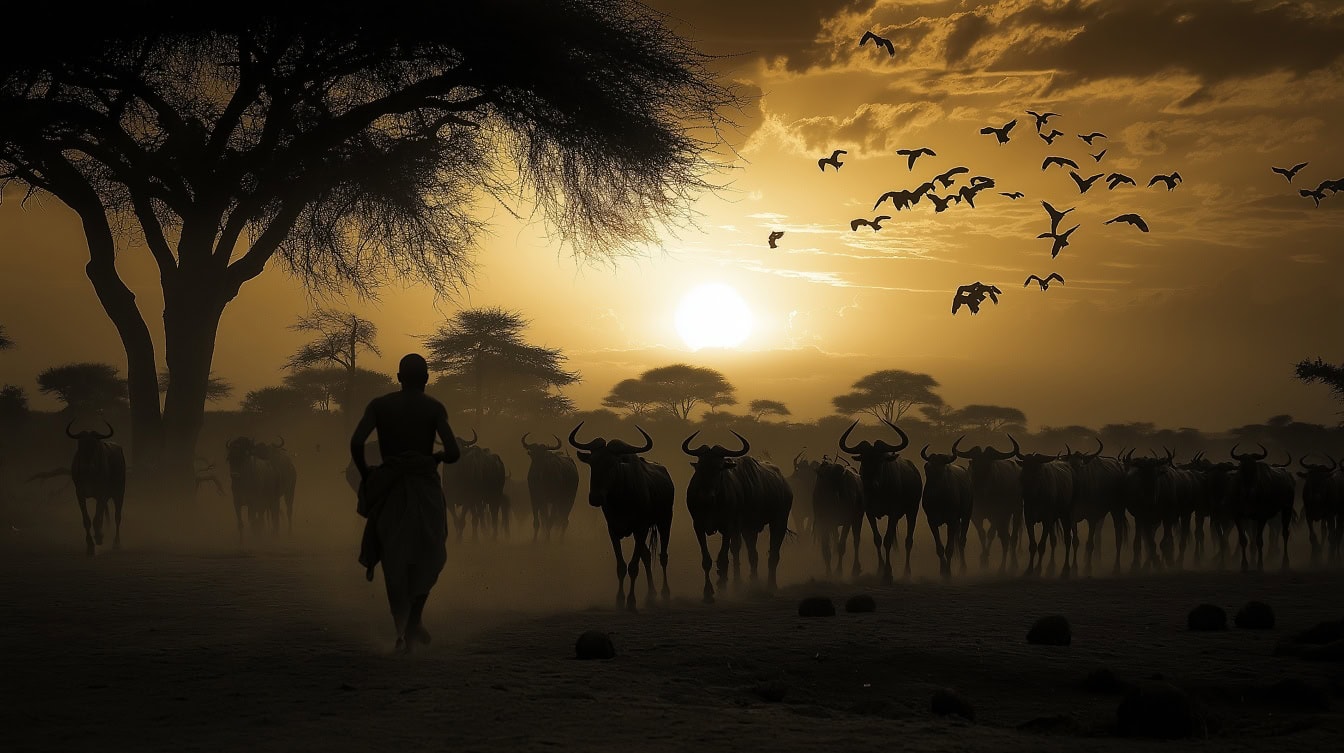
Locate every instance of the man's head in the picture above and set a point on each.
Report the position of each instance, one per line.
(413, 371)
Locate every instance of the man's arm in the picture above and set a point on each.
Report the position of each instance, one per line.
(362, 433)
(451, 452)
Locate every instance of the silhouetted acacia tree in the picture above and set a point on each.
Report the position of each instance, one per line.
(674, 390)
(888, 394)
(13, 406)
(283, 402)
(346, 145)
(216, 388)
(340, 336)
(1328, 374)
(991, 418)
(483, 350)
(332, 387)
(84, 387)
(761, 408)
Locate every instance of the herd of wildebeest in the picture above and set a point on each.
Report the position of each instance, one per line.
(737, 496)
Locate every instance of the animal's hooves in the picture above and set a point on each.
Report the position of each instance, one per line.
(89, 550)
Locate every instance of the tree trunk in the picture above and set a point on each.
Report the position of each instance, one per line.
(191, 314)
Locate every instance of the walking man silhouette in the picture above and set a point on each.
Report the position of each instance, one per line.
(402, 498)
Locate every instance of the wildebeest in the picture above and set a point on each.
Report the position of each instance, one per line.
(891, 489)
(636, 497)
(1323, 505)
(98, 471)
(948, 501)
(1214, 503)
(1146, 485)
(286, 475)
(837, 501)
(552, 484)
(997, 489)
(255, 483)
(803, 480)
(736, 496)
(1098, 491)
(1262, 492)
(474, 489)
(1047, 498)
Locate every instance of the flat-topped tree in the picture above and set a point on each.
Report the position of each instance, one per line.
(347, 146)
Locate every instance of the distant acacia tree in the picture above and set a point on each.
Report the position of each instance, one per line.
(346, 145)
(483, 351)
(13, 406)
(942, 418)
(339, 337)
(674, 390)
(84, 387)
(215, 390)
(888, 394)
(762, 408)
(278, 401)
(5, 342)
(991, 418)
(333, 387)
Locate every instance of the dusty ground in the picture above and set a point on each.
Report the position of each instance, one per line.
(182, 642)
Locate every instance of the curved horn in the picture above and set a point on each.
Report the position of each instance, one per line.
(1263, 452)
(474, 438)
(1001, 455)
(1067, 449)
(1100, 447)
(557, 443)
(1284, 464)
(1017, 449)
(524, 440)
(580, 445)
(955, 452)
(1233, 452)
(924, 453)
(845, 436)
(798, 457)
(110, 431)
(905, 439)
(1334, 464)
(68, 433)
(746, 446)
(1302, 461)
(1170, 455)
(648, 442)
(686, 446)
(282, 443)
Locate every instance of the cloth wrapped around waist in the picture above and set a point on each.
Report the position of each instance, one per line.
(407, 520)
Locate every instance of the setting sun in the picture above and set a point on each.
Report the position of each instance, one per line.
(713, 316)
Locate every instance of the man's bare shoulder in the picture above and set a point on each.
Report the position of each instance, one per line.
(403, 400)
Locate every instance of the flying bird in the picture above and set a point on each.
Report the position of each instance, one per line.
(878, 42)
(1115, 179)
(774, 236)
(1315, 195)
(1333, 186)
(1041, 118)
(1055, 215)
(899, 199)
(987, 181)
(914, 154)
(971, 296)
(1084, 184)
(967, 194)
(1015, 195)
(940, 202)
(1093, 135)
(1170, 180)
(1097, 157)
(1289, 173)
(1061, 161)
(1060, 240)
(1132, 219)
(875, 223)
(1045, 284)
(948, 177)
(1050, 137)
(833, 160)
(1000, 133)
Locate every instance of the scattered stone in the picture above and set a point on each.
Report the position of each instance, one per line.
(1207, 617)
(1256, 615)
(861, 603)
(816, 606)
(1159, 710)
(1329, 652)
(772, 692)
(1297, 694)
(594, 644)
(947, 702)
(1321, 634)
(1102, 680)
(1050, 631)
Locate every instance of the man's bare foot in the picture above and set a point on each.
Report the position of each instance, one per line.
(402, 647)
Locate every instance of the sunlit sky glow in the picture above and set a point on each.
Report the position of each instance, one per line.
(1196, 323)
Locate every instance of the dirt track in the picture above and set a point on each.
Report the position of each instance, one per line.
(174, 646)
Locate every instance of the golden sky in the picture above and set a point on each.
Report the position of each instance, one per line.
(1196, 323)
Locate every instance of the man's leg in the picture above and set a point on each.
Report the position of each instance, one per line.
(415, 628)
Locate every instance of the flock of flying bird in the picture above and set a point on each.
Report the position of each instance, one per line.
(974, 294)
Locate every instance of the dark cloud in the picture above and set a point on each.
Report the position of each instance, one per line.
(753, 28)
(966, 31)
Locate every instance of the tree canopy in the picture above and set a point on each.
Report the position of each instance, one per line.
(349, 146)
(339, 338)
(888, 394)
(674, 390)
(84, 387)
(761, 408)
(990, 418)
(1332, 376)
(5, 342)
(216, 388)
(279, 401)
